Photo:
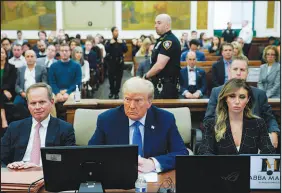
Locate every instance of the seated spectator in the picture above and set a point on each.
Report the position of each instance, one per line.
(215, 46)
(194, 44)
(57, 46)
(42, 36)
(272, 41)
(19, 39)
(49, 59)
(143, 67)
(27, 76)
(220, 68)
(20, 146)
(144, 50)
(242, 43)
(41, 49)
(25, 46)
(6, 43)
(237, 49)
(77, 55)
(239, 70)
(235, 130)
(269, 77)
(3, 35)
(184, 41)
(194, 35)
(8, 76)
(193, 83)
(73, 43)
(152, 38)
(91, 57)
(132, 123)
(204, 41)
(18, 60)
(64, 75)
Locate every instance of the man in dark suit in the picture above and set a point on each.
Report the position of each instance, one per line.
(261, 108)
(192, 79)
(137, 122)
(220, 68)
(194, 45)
(20, 146)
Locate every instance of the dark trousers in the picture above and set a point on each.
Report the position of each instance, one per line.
(115, 72)
(246, 49)
(169, 90)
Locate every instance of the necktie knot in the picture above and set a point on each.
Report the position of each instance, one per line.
(136, 123)
(191, 69)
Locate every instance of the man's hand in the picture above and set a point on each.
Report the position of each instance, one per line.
(112, 41)
(23, 94)
(274, 137)
(7, 94)
(188, 95)
(66, 96)
(196, 95)
(145, 165)
(59, 97)
(63, 91)
(22, 165)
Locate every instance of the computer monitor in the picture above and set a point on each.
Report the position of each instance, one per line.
(66, 167)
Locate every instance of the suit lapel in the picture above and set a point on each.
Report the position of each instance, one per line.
(37, 73)
(273, 69)
(122, 127)
(25, 130)
(52, 132)
(149, 129)
(186, 77)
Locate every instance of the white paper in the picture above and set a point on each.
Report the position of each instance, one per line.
(151, 177)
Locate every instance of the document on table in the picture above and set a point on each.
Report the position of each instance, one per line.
(151, 176)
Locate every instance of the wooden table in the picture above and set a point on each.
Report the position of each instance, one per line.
(195, 105)
(152, 187)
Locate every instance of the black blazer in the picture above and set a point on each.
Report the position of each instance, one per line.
(8, 81)
(15, 140)
(218, 73)
(254, 137)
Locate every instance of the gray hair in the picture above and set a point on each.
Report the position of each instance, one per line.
(40, 85)
(138, 85)
(30, 51)
(78, 49)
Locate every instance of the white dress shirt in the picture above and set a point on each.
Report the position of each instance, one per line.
(50, 63)
(246, 34)
(141, 128)
(192, 79)
(42, 133)
(29, 78)
(18, 62)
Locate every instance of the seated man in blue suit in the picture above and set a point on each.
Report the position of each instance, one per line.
(193, 81)
(20, 146)
(194, 45)
(138, 122)
(239, 69)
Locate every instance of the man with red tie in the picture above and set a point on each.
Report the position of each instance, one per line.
(193, 83)
(20, 146)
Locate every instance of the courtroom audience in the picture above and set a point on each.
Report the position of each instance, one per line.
(42, 36)
(19, 39)
(18, 60)
(6, 43)
(144, 66)
(8, 76)
(25, 46)
(73, 43)
(49, 59)
(132, 123)
(28, 75)
(215, 46)
(20, 146)
(204, 41)
(41, 45)
(194, 46)
(194, 35)
(152, 38)
(241, 42)
(135, 48)
(235, 129)
(239, 69)
(184, 43)
(145, 48)
(269, 77)
(220, 68)
(193, 83)
(246, 34)
(237, 49)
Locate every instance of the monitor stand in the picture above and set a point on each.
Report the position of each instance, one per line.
(91, 187)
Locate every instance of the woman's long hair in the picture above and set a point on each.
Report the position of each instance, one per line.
(222, 109)
(143, 49)
(78, 49)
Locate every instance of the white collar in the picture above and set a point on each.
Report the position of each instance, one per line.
(142, 120)
(44, 123)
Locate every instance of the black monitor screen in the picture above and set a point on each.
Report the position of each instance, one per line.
(115, 166)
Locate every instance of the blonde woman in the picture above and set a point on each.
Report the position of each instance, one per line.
(235, 130)
(144, 50)
(269, 77)
(237, 51)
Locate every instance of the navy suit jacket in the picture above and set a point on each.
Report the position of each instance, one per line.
(261, 107)
(15, 140)
(199, 55)
(201, 82)
(163, 142)
(218, 73)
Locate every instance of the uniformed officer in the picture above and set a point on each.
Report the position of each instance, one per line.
(228, 35)
(115, 49)
(165, 66)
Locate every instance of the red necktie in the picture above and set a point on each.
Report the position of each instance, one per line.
(35, 152)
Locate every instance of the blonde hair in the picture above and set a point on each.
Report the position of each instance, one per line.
(143, 49)
(222, 108)
(138, 85)
(237, 45)
(274, 48)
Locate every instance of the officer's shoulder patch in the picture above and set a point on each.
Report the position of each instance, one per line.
(167, 44)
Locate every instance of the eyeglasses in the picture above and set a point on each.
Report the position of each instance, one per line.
(268, 54)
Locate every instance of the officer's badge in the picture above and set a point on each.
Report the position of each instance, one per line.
(167, 44)
(227, 31)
